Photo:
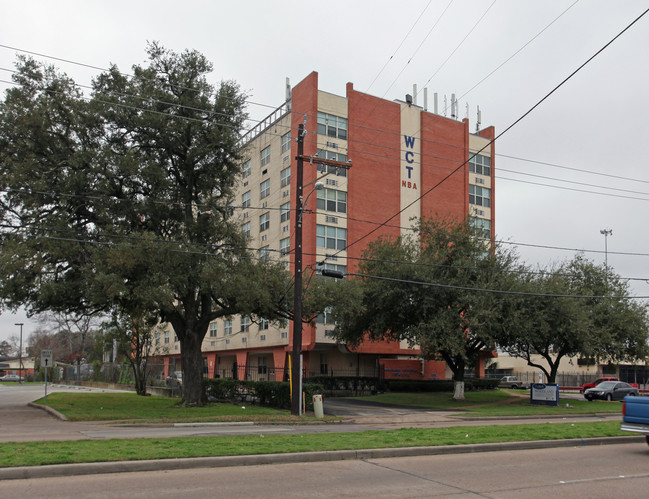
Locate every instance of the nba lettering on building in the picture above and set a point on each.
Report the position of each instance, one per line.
(402, 154)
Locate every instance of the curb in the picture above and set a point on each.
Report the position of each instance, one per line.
(49, 410)
(56, 470)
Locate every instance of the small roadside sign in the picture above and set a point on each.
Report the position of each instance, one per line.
(47, 358)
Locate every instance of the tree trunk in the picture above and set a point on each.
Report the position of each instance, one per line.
(456, 365)
(458, 393)
(140, 379)
(192, 360)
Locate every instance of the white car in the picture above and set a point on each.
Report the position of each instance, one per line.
(11, 377)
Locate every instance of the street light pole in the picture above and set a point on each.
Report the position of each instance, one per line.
(606, 233)
(20, 352)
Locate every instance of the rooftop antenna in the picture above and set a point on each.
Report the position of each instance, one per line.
(425, 99)
(288, 93)
(414, 94)
(479, 122)
(453, 103)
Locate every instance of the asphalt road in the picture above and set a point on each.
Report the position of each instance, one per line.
(619, 471)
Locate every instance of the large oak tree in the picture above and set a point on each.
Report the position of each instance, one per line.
(425, 289)
(123, 198)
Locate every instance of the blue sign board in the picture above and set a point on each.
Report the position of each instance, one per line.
(544, 393)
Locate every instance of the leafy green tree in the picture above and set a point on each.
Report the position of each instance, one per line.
(423, 289)
(135, 341)
(574, 309)
(125, 200)
(5, 349)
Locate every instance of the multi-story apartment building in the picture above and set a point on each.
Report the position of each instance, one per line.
(400, 155)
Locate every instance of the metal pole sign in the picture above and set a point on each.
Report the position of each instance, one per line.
(47, 360)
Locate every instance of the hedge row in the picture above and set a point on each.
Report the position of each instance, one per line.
(265, 393)
(351, 383)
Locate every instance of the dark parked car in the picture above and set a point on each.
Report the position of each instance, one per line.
(610, 390)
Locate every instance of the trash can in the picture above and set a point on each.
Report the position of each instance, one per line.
(317, 406)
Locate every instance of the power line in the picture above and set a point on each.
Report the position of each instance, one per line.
(461, 43)
(498, 291)
(76, 63)
(461, 267)
(416, 50)
(349, 150)
(400, 45)
(517, 52)
(510, 126)
(279, 208)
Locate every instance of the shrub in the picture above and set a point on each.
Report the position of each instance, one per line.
(266, 393)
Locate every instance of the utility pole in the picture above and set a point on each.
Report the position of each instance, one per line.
(296, 356)
(606, 233)
(20, 352)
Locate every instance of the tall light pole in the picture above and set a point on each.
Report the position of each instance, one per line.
(20, 352)
(606, 233)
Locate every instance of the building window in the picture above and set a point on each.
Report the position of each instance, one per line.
(283, 335)
(324, 363)
(480, 164)
(245, 199)
(285, 176)
(262, 337)
(325, 317)
(157, 338)
(263, 324)
(245, 228)
(286, 142)
(264, 221)
(247, 169)
(285, 246)
(332, 200)
(264, 253)
(245, 324)
(212, 329)
(332, 126)
(262, 365)
(479, 195)
(265, 156)
(285, 212)
(264, 189)
(331, 237)
(166, 336)
(244, 339)
(227, 329)
(483, 226)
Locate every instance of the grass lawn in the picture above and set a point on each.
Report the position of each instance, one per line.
(130, 407)
(494, 403)
(85, 451)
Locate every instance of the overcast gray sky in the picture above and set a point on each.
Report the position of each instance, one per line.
(576, 165)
